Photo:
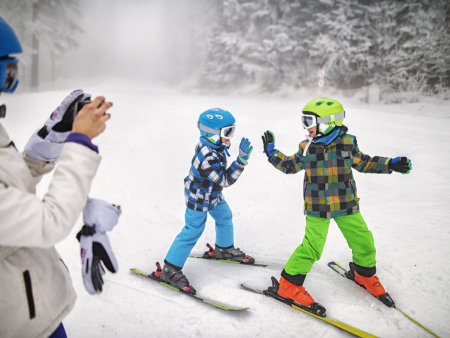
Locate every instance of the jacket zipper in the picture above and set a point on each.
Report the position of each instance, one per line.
(29, 289)
(353, 188)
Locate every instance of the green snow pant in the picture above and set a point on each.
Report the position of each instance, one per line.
(355, 231)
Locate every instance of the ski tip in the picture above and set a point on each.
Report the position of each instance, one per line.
(229, 308)
(334, 263)
(138, 272)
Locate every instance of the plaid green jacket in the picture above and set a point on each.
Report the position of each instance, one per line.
(329, 189)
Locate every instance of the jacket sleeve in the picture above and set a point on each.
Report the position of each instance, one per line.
(26, 220)
(288, 164)
(215, 172)
(37, 168)
(367, 164)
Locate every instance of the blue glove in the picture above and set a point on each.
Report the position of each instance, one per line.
(245, 149)
(400, 164)
(98, 217)
(46, 143)
(269, 143)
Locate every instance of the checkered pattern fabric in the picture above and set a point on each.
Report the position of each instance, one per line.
(329, 188)
(208, 176)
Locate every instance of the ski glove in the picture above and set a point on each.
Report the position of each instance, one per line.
(269, 143)
(98, 217)
(400, 164)
(245, 149)
(46, 143)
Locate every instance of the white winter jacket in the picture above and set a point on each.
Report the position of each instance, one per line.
(36, 290)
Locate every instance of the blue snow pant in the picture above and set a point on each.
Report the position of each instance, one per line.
(195, 224)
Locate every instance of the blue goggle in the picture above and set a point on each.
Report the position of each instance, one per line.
(9, 73)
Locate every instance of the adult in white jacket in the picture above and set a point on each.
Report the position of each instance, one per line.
(36, 291)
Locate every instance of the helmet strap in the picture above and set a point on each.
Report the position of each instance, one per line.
(2, 111)
(324, 128)
(214, 139)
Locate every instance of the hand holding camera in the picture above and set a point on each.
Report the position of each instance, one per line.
(91, 119)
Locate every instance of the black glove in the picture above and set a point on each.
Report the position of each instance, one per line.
(400, 164)
(269, 143)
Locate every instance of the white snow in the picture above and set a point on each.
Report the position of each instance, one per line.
(147, 149)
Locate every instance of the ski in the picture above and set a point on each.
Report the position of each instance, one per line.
(336, 267)
(322, 316)
(263, 265)
(208, 301)
(209, 255)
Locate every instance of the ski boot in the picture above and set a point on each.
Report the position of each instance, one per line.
(292, 294)
(173, 275)
(228, 254)
(371, 284)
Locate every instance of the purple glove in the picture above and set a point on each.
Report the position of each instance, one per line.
(98, 217)
(46, 143)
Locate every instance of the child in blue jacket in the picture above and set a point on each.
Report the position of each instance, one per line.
(203, 193)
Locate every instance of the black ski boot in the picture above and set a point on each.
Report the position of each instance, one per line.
(173, 275)
(228, 254)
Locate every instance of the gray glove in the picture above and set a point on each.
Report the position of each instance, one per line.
(46, 143)
(98, 216)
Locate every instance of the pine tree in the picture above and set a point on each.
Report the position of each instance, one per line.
(49, 24)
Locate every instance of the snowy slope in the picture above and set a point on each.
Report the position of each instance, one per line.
(147, 149)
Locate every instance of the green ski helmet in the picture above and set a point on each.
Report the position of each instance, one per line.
(323, 112)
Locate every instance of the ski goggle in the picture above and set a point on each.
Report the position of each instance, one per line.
(227, 132)
(9, 73)
(309, 121)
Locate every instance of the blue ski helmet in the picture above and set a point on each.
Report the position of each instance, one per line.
(212, 121)
(9, 44)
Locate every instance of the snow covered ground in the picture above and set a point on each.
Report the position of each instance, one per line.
(147, 149)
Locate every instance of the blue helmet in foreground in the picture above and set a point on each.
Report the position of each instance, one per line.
(9, 44)
(216, 123)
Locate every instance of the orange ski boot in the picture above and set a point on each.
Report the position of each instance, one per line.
(297, 293)
(371, 284)
(293, 294)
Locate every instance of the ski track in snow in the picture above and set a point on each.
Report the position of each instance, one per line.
(147, 149)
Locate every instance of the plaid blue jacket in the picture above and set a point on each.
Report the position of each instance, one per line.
(208, 176)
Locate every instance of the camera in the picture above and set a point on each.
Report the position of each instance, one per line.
(78, 106)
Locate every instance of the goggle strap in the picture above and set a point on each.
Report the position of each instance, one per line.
(207, 129)
(332, 118)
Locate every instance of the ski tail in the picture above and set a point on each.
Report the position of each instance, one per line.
(416, 322)
(335, 266)
(343, 326)
(212, 302)
(338, 324)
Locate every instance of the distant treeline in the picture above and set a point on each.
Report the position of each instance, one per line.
(397, 46)
(401, 45)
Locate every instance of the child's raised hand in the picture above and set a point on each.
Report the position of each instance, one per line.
(245, 149)
(269, 143)
(400, 164)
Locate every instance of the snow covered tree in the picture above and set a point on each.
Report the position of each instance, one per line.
(42, 24)
(398, 45)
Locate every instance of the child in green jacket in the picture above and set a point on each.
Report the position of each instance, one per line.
(328, 156)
